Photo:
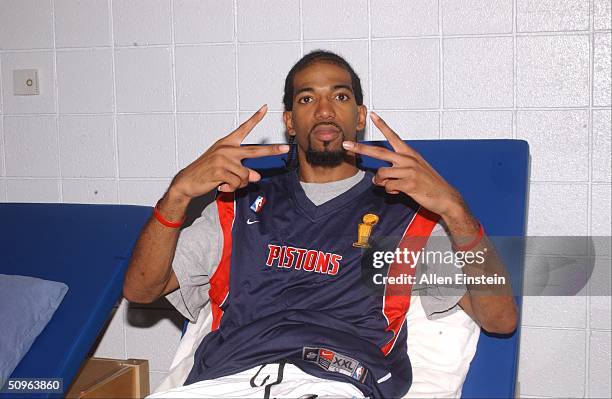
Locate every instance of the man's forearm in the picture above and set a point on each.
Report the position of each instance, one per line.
(150, 269)
(492, 305)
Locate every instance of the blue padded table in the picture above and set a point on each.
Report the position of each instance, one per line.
(492, 176)
(87, 248)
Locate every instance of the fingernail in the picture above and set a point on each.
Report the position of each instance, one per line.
(283, 147)
(374, 115)
(262, 107)
(348, 145)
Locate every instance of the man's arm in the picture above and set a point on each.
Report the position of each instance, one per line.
(491, 306)
(149, 273)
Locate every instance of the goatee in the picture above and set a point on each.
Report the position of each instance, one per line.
(326, 158)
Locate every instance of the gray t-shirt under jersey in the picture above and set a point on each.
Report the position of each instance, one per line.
(199, 248)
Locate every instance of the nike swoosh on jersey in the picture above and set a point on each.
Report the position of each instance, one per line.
(249, 221)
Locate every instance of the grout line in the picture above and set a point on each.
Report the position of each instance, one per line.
(489, 35)
(561, 183)
(56, 104)
(2, 135)
(514, 69)
(124, 324)
(115, 132)
(369, 130)
(236, 70)
(440, 71)
(590, 194)
(507, 109)
(174, 97)
(301, 16)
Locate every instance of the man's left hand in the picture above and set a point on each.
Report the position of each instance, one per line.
(409, 172)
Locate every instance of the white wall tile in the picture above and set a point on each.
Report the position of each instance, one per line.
(201, 21)
(599, 295)
(31, 146)
(601, 220)
(155, 378)
(355, 52)
(143, 80)
(146, 329)
(477, 124)
(261, 72)
(601, 69)
(335, 19)
(602, 147)
(1, 148)
(478, 72)
(552, 15)
(552, 71)
(555, 311)
(43, 102)
(476, 16)
(26, 24)
(404, 18)
(411, 80)
(146, 145)
(409, 125)
(142, 22)
(32, 190)
(112, 342)
(89, 191)
(600, 365)
(256, 24)
(544, 361)
(86, 146)
(202, 85)
(558, 143)
(602, 14)
(142, 192)
(2, 190)
(85, 81)
(547, 201)
(196, 133)
(270, 130)
(600, 213)
(82, 23)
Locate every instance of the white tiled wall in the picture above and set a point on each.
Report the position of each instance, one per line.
(132, 91)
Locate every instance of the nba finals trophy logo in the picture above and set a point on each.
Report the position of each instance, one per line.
(364, 230)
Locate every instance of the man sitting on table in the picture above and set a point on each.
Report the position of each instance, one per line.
(284, 260)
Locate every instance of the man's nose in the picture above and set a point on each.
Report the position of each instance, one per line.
(325, 109)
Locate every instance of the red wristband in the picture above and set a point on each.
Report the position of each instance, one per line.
(472, 244)
(165, 221)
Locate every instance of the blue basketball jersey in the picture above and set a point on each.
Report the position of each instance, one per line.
(292, 284)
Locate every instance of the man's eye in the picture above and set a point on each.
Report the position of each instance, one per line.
(304, 100)
(342, 97)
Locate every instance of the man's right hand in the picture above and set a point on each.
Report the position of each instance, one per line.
(220, 166)
(149, 273)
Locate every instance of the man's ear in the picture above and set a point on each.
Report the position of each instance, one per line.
(362, 116)
(287, 117)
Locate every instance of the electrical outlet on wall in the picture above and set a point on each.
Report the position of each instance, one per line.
(25, 82)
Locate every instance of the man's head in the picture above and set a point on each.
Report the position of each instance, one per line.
(323, 107)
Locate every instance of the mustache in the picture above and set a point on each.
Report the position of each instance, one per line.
(326, 124)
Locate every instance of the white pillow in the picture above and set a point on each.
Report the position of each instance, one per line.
(440, 351)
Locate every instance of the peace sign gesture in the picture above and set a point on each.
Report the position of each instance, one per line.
(221, 166)
(409, 172)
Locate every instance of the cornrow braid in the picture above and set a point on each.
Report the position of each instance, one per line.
(292, 161)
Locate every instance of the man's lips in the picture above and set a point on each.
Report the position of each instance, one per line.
(326, 133)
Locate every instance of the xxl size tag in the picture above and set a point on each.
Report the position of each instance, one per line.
(335, 362)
